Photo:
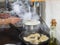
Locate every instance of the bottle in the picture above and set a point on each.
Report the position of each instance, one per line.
(53, 32)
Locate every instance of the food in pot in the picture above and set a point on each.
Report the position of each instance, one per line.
(36, 38)
(43, 38)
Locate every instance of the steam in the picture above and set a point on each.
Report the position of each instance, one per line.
(19, 9)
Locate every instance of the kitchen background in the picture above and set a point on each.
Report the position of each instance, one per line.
(52, 10)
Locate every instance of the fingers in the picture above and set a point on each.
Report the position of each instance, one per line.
(14, 20)
(11, 20)
(4, 21)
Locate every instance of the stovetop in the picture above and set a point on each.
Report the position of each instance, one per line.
(11, 36)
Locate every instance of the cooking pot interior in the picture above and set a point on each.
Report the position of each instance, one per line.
(24, 34)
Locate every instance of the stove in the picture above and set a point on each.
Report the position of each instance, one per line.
(13, 34)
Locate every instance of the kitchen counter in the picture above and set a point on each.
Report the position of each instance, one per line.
(5, 38)
(9, 36)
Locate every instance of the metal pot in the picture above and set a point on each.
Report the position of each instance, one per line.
(25, 34)
(31, 25)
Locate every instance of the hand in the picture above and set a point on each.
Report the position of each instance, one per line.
(4, 21)
(14, 20)
(4, 15)
(11, 20)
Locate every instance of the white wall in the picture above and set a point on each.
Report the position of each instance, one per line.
(53, 11)
(48, 12)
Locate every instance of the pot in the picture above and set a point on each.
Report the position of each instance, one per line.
(31, 25)
(25, 34)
